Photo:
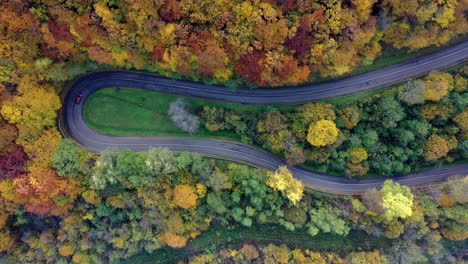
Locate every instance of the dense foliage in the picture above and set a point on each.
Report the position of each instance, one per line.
(282, 254)
(60, 204)
(419, 123)
(261, 42)
(100, 209)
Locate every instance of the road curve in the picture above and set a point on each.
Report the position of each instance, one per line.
(76, 127)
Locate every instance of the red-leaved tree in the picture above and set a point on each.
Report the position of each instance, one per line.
(250, 67)
(60, 31)
(12, 164)
(301, 42)
(158, 52)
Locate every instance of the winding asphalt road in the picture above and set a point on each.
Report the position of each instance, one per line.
(76, 127)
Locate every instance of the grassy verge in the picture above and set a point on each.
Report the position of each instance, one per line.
(222, 236)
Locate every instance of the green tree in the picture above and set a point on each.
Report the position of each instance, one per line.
(184, 160)
(66, 159)
(161, 160)
(420, 128)
(327, 218)
(104, 169)
(219, 180)
(297, 215)
(403, 136)
(369, 138)
(215, 203)
(388, 112)
(130, 166)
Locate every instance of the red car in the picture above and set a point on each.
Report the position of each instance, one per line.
(78, 98)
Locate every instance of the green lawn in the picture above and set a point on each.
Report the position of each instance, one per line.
(126, 112)
(221, 236)
(129, 111)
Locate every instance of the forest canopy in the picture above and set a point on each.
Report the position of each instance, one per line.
(62, 204)
(258, 42)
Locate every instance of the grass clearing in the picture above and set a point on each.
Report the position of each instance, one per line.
(230, 236)
(134, 112)
(130, 112)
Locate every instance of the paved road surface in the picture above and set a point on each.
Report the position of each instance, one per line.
(77, 128)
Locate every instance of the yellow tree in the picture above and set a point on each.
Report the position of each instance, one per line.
(356, 169)
(437, 85)
(213, 61)
(172, 239)
(322, 133)
(7, 242)
(462, 119)
(363, 9)
(185, 196)
(447, 13)
(179, 59)
(202, 11)
(365, 257)
(100, 55)
(401, 7)
(357, 154)
(40, 151)
(453, 234)
(344, 59)
(33, 110)
(436, 148)
(282, 180)
(334, 16)
(66, 250)
(8, 134)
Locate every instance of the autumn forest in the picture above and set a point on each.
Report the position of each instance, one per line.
(63, 203)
